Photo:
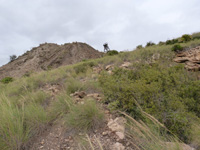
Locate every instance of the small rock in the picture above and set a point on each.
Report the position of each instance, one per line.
(41, 147)
(104, 133)
(109, 67)
(125, 65)
(118, 146)
(120, 135)
(127, 144)
(109, 72)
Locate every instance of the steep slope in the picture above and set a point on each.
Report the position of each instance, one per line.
(48, 56)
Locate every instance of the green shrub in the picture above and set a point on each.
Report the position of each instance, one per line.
(7, 80)
(112, 52)
(139, 47)
(177, 48)
(173, 41)
(84, 117)
(159, 91)
(150, 44)
(185, 38)
(161, 43)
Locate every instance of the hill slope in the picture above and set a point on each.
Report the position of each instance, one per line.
(138, 100)
(48, 56)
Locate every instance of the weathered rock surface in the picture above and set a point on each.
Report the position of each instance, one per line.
(125, 65)
(190, 57)
(118, 126)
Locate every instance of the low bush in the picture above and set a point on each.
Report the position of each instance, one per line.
(159, 91)
(177, 48)
(112, 52)
(161, 43)
(139, 47)
(150, 44)
(173, 41)
(7, 80)
(185, 38)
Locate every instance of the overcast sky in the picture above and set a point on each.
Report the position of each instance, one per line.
(124, 24)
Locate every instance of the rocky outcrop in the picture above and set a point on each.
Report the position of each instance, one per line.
(48, 56)
(190, 57)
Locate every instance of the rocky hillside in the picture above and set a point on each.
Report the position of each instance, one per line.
(137, 100)
(47, 56)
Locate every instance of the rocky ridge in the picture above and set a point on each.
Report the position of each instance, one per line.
(48, 56)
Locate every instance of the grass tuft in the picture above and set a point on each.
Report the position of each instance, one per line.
(84, 117)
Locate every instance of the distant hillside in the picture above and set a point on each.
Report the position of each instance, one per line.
(47, 56)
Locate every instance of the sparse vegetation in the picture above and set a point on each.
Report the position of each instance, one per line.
(12, 58)
(84, 117)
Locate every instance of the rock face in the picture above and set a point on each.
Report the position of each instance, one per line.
(48, 56)
(191, 58)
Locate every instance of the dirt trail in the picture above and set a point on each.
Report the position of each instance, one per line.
(57, 137)
(50, 140)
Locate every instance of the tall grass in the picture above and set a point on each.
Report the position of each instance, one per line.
(12, 131)
(150, 136)
(84, 117)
